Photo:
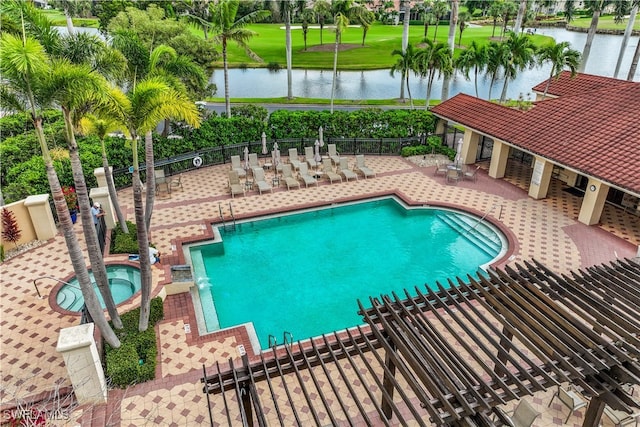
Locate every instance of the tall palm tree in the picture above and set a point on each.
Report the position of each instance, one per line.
(634, 63)
(498, 54)
(322, 9)
(474, 57)
(150, 102)
(509, 9)
(433, 59)
(286, 7)
(439, 9)
(522, 56)
(463, 19)
(74, 88)
(24, 66)
(101, 125)
(620, 12)
(522, 11)
(495, 12)
(405, 42)
(227, 28)
(404, 65)
(560, 55)
(596, 7)
(366, 19)
(307, 17)
(453, 24)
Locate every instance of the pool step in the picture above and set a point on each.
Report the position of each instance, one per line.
(470, 229)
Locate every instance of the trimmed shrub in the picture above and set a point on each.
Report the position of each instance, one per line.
(122, 365)
(122, 243)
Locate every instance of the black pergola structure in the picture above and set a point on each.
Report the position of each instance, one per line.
(451, 356)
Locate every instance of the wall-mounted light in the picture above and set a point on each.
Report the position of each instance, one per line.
(592, 187)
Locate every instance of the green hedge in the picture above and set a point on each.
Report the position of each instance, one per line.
(433, 146)
(135, 361)
(122, 243)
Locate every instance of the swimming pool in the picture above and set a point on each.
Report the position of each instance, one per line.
(124, 282)
(302, 273)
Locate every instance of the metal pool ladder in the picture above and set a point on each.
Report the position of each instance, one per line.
(232, 226)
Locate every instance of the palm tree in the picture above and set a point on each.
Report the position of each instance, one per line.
(439, 9)
(322, 9)
(227, 28)
(522, 56)
(426, 15)
(498, 54)
(473, 57)
(560, 55)
(453, 23)
(520, 18)
(569, 10)
(307, 16)
(24, 66)
(101, 125)
(150, 102)
(404, 65)
(434, 59)
(74, 88)
(463, 18)
(620, 12)
(596, 7)
(495, 11)
(286, 6)
(366, 20)
(508, 10)
(405, 42)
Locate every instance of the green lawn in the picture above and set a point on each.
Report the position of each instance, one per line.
(605, 23)
(58, 19)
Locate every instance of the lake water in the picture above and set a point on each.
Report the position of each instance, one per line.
(379, 84)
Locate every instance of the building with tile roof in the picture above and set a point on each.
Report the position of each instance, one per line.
(588, 127)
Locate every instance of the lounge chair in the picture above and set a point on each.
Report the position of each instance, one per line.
(288, 177)
(253, 161)
(522, 416)
(176, 182)
(327, 168)
(260, 181)
(310, 157)
(294, 160)
(621, 418)
(343, 169)
(236, 165)
(304, 175)
(570, 399)
(362, 168)
(235, 186)
(333, 154)
(471, 175)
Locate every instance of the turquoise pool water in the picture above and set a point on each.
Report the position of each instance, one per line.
(302, 273)
(123, 280)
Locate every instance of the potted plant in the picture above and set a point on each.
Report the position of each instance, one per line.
(71, 198)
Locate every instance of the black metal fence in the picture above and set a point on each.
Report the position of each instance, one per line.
(221, 155)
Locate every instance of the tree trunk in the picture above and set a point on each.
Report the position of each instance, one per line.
(151, 179)
(453, 24)
(405, 41)
(227, 104)
(503, 95)
(335, 69)
(287, 24)
(113, 195)
(634, 62)
(70, 27)
(625, 39)
(143, 242)
(73, 246)
(522, 10)
(590, 36)
(88, 228)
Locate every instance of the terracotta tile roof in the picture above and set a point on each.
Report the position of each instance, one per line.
(596, 133)
(580, 83)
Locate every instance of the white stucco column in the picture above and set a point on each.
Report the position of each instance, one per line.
(41, 216)
(593, 203)
(101, 195)
(499, 157)
(100, 176)
(82, 360)
(470, 147)
(540, 178)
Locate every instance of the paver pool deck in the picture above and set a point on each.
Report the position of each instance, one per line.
(546, 230)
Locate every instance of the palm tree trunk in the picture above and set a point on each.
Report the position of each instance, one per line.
(503, 95)
(402, 84)
(590, 36)
(71, 240)
(432, 74)
(288, 52)
(634, 63)
(409, 92)
(227, 104)
(405, 40)
(151, 179)
(335, 69)
(453, 24)
(143, 242)
(88, 228)
(476, 81)
(521, 12)
(113, 195)
(69, 21)
(625, 39)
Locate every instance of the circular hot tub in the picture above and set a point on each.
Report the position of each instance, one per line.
(124, 282)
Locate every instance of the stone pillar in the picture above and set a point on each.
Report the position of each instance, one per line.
(100, 176)
(101, 195)
(593, 203)
(499, 157)
(440, 126)
(41, 216)
(572, 177)
(540, 178)
(80, 354)
(470, 147)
